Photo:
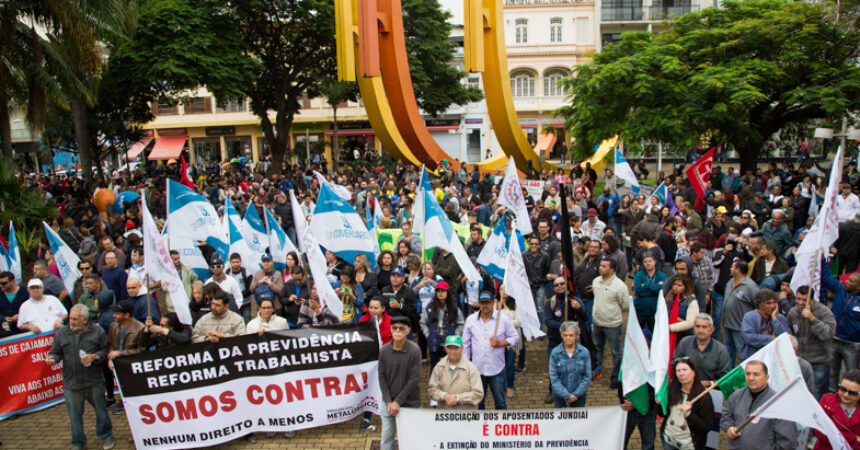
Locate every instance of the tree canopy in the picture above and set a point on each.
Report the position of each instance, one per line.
(738, 73)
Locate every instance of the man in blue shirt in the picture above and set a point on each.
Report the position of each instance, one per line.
(846, 310)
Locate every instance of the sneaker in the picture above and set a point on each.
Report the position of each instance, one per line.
(251, 438)
(520, 369)
(596, 377)
(510, 392)
(270, 434)
(289, 434)
(434, 403)
(366, 426)
(108, 402)
(108, 443)
(117, 409)
(548, 398)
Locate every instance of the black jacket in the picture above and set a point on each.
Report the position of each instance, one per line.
(288, 309)
(700, 420)
(173, 339)
(583, 275)
(407, 298)
(285, 212)
(537, 267)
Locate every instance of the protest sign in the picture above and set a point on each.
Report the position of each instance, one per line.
(208, 393)
(533, 187)
(589, 428)
(28, 383)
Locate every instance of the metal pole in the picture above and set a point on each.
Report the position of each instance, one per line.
(148, 299)
(659, 157)
(308, 146)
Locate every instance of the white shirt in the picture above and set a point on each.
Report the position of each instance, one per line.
(230, 286)
(43, 314)
(275, 322)
(138, 272)
(847, 207)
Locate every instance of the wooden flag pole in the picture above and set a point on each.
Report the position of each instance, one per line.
(703, 393)
(746, 422)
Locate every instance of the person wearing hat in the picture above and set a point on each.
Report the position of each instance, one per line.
(227, 284)
(399, 377)
(268, 282)
(123, 338)
(399, 298)
(484, 343)
(41, 312)
(760, 208)
(455, 382)
(593, 227)
(717, 223)
(440, 318)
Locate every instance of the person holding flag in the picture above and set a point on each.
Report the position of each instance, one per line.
(760, 433)
(688, 422)
(485, 336)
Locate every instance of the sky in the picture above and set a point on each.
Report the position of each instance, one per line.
(456, 9)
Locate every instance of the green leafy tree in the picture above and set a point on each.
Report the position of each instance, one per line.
(739, 74)
(436, 82)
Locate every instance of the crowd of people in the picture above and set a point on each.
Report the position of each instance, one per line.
(723, 269)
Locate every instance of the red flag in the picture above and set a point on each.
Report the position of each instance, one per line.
(184, 178)
(699, 174)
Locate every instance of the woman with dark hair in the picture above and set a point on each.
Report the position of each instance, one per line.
(292, 261)
(440, 318)
(403, 252)
(683, 308)
(366, 277)
(351, 295)
(384, 263)
(170, 333)
(687, 424)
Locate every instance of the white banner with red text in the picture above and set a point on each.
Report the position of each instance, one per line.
(204, 394)
(28, 383)
(583, 428)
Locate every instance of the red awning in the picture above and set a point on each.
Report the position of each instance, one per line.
(167, 147)
(350, 132)
(138, 147)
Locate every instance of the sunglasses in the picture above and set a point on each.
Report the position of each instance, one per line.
(845, 390)
(87, 268)
(559, 285)
(217, 266)
(3, 283)
(399, 327)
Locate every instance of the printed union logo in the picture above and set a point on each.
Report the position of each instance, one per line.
(204, 212)
(346, 224)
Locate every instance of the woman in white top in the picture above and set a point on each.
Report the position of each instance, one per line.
(266, 319)
(425, 285)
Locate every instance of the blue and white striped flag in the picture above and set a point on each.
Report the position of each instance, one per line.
(494, 255)
(438, 232)
(67, 260)
(15, 254)
(279, 243)
(337, 226)
(198, 218)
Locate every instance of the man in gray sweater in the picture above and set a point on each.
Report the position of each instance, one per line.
(814, 329)
(399, 374)
(740, 299)
(760, 433)
(709, 355)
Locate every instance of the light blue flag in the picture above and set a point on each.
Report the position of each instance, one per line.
(189, 253)
(5, 260)
(279, 243)
(230, 213)
(338, 227)
(424, 183)
(67, 260)
(252, 239)
(194, 218)
(418, 207)
(660, 193)
(494, 255)
(438, 232)
(368, 217)
(14, 254)
(625, 172)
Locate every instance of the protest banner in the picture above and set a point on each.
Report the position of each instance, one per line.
(590, 428)
(208, 393)
(28, 383)
(533, 187)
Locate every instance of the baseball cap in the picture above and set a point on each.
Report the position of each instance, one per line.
(35, 282)
(216, 260)
(453, 341)
(124, 306)
(442, 285)
(592, 212)
(485, 296)
(398, 271)
(266, 257)
(722, 210)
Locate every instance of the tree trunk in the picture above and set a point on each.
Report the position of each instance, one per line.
(748, 154)
(5, 126)
(82, 136)
(335, 144)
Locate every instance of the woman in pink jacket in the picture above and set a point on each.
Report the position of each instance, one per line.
(842, 410)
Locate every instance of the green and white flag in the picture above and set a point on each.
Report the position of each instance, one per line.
(635, 364)
(781, 362)
(658, 377)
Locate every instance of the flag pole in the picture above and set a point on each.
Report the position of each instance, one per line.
(498, 306)
(703, 393)
(148, 299)
(811, 294)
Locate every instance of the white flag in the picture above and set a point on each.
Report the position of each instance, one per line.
(438, 232)
(341, 191)
(821, 235)
(795, 404)
(316, 260)
(159, 265)
(511, 195)
(780, 359)
(625, 172)
(660, 357)
(517, 286)
(67, 260)
(636, 362)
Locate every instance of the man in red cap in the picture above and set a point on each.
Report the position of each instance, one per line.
(593, 227)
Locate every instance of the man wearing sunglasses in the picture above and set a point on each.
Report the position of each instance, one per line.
(15, 297)
(399, 375)
(227, 284)
(840, 408)
(78, 289)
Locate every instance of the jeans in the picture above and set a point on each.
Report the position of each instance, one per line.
(717, 311)
(562, 402)
(245, 311)
(647, 425)
(108, 384)
(538, 296)
(510, 367)
(291, 233)
(613, 335)
(497, 386)
(822, 379)
(589, 309)
(733, 341)
(843, 351)
(75, 406)
(389, 428)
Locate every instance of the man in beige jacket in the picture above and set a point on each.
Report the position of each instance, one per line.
(455, 382)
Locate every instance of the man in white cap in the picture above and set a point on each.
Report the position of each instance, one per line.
(40, 312)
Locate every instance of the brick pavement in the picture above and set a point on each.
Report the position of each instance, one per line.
(48, 429)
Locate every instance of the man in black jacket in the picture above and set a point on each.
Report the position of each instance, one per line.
(537, 269)
(584, 274)
(404, 301)
(295, 292)
(476, 241)
(284, 211)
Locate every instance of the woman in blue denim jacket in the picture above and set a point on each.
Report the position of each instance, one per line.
(569, 369)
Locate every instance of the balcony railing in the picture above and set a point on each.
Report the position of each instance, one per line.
(542, 2)
(669, 12)
(611, 13)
